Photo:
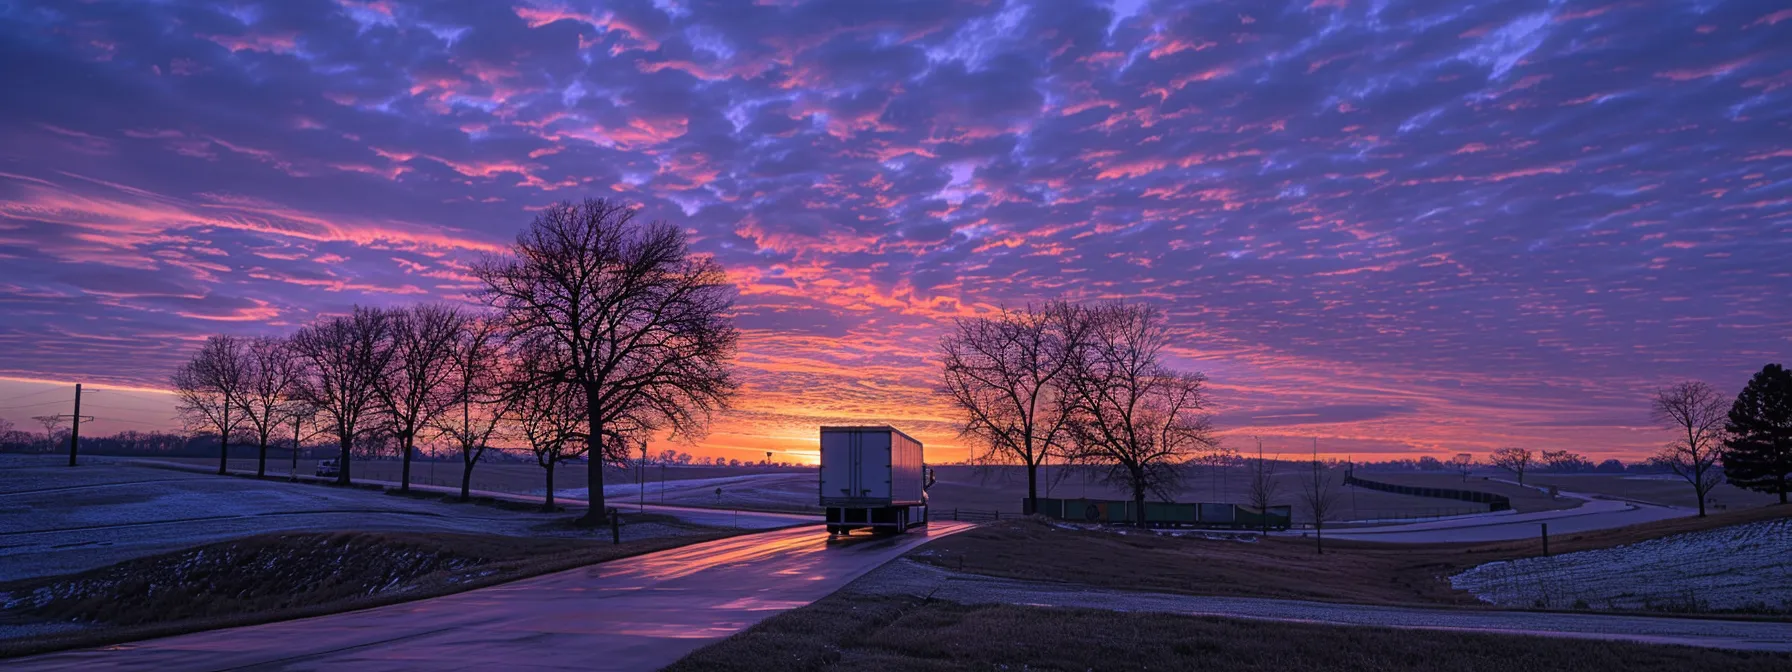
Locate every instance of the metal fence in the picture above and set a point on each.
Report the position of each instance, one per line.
(1167, 514)
(1494, 502)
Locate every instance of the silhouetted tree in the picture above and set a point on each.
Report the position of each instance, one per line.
(1129, 411)
(1695, 411)
(1319, 496)
(1515, 460)
(549, 415)
(1463, 463)
(416, 385)
(1264, 485)
(270, 384)
(477, 368)
(629, 316)
(1563, 461)
(344, 357)
(1005, 376)
(208, 389)
(1758, 453)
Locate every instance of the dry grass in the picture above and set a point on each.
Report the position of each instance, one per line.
(277, 577)
(847, 632)
(1273, 567)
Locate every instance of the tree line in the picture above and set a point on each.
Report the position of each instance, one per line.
(595, 332)
(1086, 383)
(1745, 441)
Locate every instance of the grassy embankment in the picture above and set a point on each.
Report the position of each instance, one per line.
(282, 576)
(846, 632)
(1272, 567)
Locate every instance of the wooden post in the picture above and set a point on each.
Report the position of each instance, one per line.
(1546, 539)
(615, 526)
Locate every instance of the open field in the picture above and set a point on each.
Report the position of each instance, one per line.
(1653, 488)
(796, 489)
(277, 577)
(1269, 567)
(517, 477)
(862, 632)
(63, 520)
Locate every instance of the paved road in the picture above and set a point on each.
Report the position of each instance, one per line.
(911, 578)
(639, 613)
(1593, 514)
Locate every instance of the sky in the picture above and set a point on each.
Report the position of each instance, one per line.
(1399, 228)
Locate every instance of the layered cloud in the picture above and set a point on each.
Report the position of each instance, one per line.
(1397, 226)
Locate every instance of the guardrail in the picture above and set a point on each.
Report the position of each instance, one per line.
(976, 515)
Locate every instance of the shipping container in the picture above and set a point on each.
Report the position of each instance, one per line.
(872, 477)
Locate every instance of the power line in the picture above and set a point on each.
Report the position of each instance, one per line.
(31, 394)
(46, 403)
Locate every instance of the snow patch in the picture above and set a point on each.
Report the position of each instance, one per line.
(1741, 568)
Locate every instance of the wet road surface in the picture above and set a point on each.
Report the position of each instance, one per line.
(633, 614)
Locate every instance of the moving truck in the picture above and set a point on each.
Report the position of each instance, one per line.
(873, 477)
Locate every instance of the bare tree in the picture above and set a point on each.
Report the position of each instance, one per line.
(270, 384)
(208, 388)
(477, 371)
(1264, 487)
(1697, 413)
(550, 417)
(1515, 460)
(630, 316)
(1463, 463)
(51, 423)
(344, 357)
(1129, 411)
(416, 385)
(1005, 375)
(1319, 496)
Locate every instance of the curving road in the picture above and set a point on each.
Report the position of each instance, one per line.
(1594, 513)
(633, 614)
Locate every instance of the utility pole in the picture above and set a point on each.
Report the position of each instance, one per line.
(642, 478)
(74, 435)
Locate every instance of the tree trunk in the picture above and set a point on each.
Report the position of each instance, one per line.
(342, 460)
(224, 442)
(466, 474)
(261, 462)
(1032, 489)
(547, 503)
(1138, 497)
(404, 478)
(1319, 535)
(594, 454)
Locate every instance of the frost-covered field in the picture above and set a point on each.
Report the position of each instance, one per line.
(1738, 568)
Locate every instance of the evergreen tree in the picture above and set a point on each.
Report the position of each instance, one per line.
(1758, 453)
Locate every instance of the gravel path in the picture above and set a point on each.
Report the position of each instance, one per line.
(906, 577)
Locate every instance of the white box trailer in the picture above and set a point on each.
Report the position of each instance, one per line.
(872, 477)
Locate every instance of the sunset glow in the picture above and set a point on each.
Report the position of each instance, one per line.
(1404, 228)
